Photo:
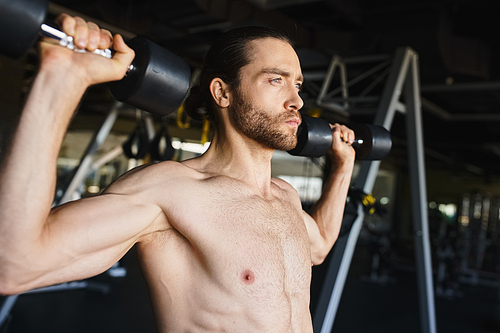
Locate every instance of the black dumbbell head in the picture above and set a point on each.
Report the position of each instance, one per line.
(158, 82)
(20, 22)
(314, 138)
(376, 144)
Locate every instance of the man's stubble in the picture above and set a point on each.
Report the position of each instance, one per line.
(261, 126)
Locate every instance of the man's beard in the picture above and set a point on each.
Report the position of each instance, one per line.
(261, 127)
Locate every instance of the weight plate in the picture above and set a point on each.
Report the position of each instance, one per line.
(20, 22)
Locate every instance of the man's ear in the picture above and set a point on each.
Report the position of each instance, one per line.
(220, 92)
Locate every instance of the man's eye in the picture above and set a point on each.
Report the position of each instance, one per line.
(276, 80)
(298, 86)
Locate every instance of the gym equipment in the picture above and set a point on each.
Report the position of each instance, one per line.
(157, 153)
(137, 144)
(401, 93)
(20, 25)
(17, 39)
(157, 80)
(315, 138)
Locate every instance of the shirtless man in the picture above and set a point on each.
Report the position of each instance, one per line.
(222, 245)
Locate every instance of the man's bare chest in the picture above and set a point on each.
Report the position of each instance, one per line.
(239, 234)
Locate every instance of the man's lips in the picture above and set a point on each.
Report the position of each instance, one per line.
(294, 122)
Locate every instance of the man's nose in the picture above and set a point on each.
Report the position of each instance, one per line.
(295, 101)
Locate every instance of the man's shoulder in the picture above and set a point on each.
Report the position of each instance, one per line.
(150, 176)
(282, 184)
(286, 188)
(161, 169)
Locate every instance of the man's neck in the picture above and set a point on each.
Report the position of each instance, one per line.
(234, 155)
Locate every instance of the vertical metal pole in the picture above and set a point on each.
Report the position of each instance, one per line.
(340, 262)
(419, 199)
(329, 302)
(326, 307)
(392, 90)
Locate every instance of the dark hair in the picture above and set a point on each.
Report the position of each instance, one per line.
(228, 54)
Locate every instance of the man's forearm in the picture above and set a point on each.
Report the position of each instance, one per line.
(28, 172)
(329, 209)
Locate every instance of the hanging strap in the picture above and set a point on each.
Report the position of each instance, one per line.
(154, 148)
(138, 141)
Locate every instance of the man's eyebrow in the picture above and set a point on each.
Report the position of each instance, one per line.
(280, 72)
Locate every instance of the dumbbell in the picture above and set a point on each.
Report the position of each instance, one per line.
(314, 139)
(157, 80)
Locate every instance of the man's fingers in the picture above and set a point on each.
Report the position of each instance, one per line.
(94, 36)
(67, 23)
(124, 54)
(81, 33)
(106, 39)
(86, 35)
(345, 133)
(349, 134)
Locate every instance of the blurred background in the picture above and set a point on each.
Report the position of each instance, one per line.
(457, 43)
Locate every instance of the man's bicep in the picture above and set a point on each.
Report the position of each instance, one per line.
(84, 238)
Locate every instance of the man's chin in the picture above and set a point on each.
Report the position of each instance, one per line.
(279, 141)
(286, 146)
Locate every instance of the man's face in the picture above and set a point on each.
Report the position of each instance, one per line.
(265, 106)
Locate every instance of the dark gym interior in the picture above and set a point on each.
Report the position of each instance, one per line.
(456, 45)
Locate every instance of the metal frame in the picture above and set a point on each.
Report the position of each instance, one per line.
(343, 105)
(403, 79)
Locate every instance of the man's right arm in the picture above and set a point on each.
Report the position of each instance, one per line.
(39, 246)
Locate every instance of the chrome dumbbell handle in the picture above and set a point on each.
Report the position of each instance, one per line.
(67, 41)
(356, 141)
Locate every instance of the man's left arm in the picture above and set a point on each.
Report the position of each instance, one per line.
(323, 225)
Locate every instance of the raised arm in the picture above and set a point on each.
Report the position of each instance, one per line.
(38, 246)
(323, 225)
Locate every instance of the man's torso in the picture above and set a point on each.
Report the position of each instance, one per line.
(233, 261)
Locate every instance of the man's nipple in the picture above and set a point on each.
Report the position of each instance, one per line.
(248, 277)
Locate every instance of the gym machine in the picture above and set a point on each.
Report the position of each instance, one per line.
(402, 81)
(477, 241)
